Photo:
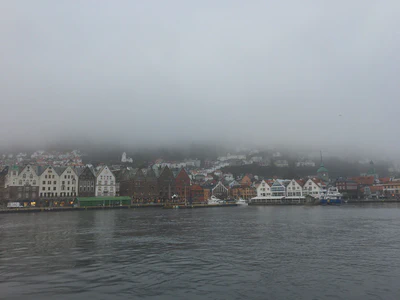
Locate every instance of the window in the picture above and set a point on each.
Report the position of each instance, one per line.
(48, 182)
(54, 182)
(53, 176)
(24, 176)
(31, 176)
(48, 188)
(69, 182)
(20, 182)
(45, 176)
(34, 182)
(54, 188)
(43, 188)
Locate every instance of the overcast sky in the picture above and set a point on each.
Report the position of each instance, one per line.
(310, 72)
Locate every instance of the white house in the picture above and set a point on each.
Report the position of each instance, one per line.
(105, 182)
(264, 189)
(313, 187)
(282, 163)
(68, 185)
(229, 177)
(49, 183)
(294, 189)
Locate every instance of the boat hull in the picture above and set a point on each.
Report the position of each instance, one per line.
(331, 201)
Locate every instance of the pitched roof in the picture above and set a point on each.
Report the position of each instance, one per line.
(364, 180)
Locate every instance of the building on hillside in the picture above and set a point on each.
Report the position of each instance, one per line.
(281, 163)
(246, 181)
(372, 171)
(105, 183)
(182, 184)
(87, 183)
(305, 163)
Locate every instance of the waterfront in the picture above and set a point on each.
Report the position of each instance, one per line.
(280, 252)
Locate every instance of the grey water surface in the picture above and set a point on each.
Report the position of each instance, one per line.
(347, 252)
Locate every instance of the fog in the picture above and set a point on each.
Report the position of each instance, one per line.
(314, 74)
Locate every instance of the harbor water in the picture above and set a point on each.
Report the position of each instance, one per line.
(246, 252)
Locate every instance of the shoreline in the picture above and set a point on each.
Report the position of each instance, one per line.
(134, 206)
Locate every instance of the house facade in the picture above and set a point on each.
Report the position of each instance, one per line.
(87, 183)
(105, 183)
(22, 184)
(139, 185)
(166, 184)
(152, 185)
(197, 194)
(278, 189)
(182, 185)
(220, 191)
(313, 188)
(68, 183)
(49, 183)
(263, 189)
(294, 189)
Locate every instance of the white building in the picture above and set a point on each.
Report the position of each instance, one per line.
(306, 163)
(264, 189)
(256, 159)
(126, 159)
(294, 189)
(105, 182)
(49, 185)
(20, 177)
(281, 163)
(313, 187)
(68, 183)
(229, 177)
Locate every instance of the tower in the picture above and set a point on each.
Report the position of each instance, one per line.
(322, 172)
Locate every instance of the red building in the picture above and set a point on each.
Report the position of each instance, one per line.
(182, 185)
(197, 194)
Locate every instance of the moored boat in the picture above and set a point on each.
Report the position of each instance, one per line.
(332, 196)
(215, 200)
(241, 202)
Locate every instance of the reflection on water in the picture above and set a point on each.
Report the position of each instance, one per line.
(348, 252)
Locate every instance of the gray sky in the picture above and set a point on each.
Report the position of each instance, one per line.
(163, 71)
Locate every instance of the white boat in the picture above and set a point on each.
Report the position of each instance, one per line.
(215, 200)
(241, 202)
(332, 196)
